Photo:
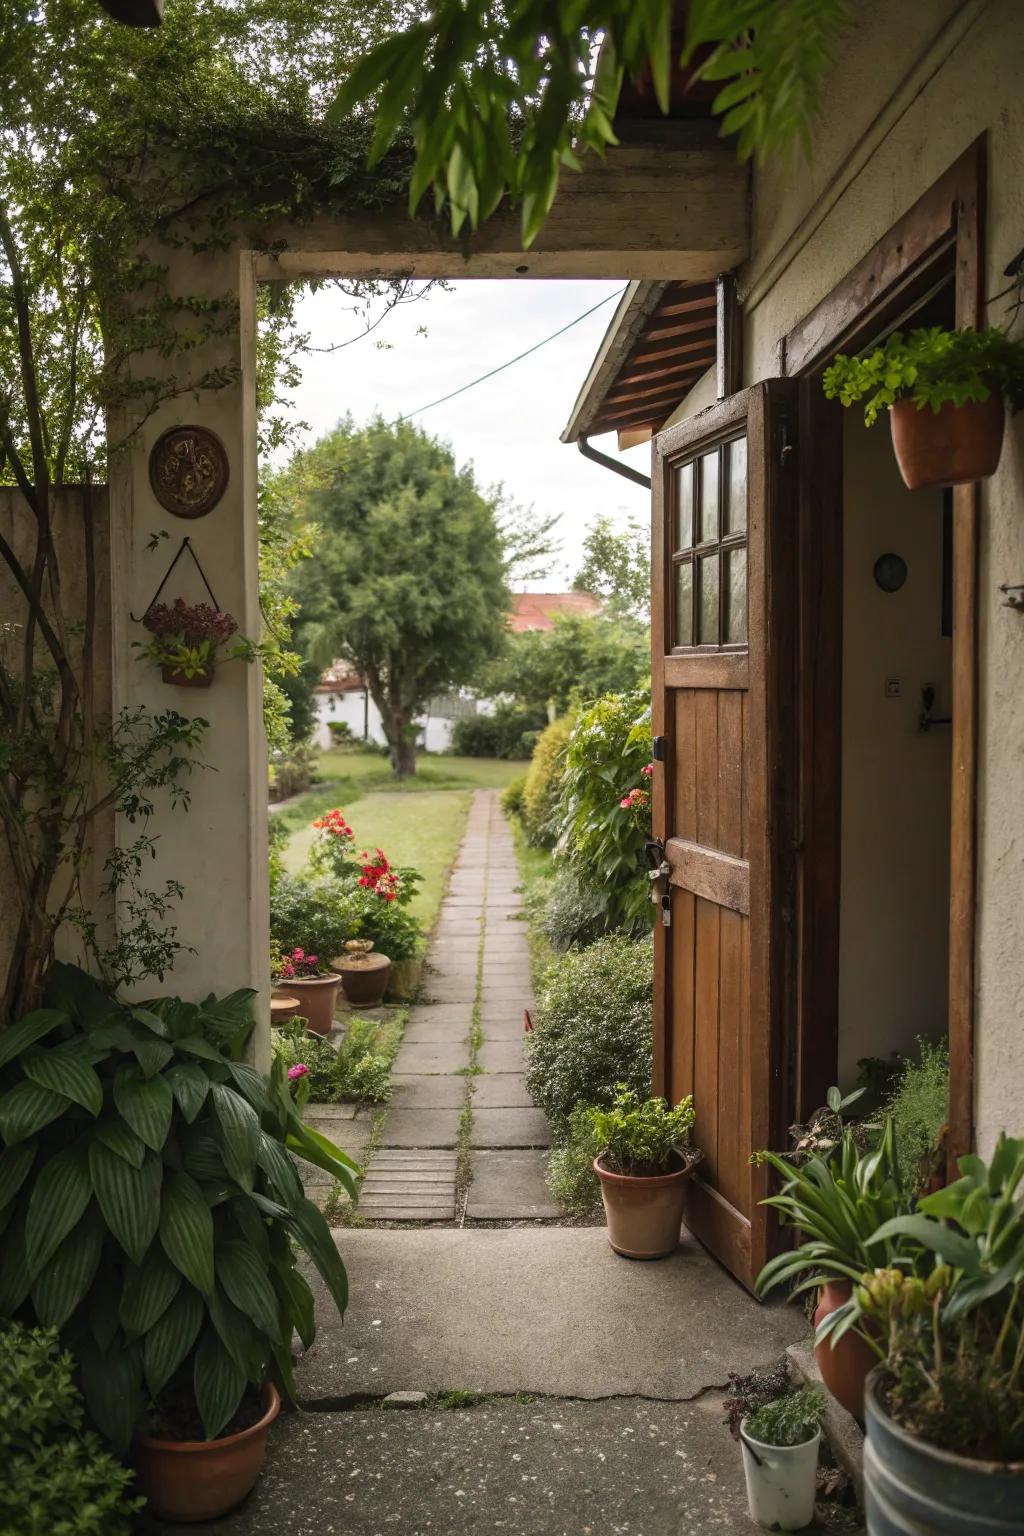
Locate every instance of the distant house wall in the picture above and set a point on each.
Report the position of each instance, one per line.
(975, 90)
(362, 717)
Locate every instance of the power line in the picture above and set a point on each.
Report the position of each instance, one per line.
(502, 366)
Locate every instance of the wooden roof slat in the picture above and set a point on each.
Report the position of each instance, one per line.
(657, 351)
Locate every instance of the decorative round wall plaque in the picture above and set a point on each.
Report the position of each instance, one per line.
(188, 470)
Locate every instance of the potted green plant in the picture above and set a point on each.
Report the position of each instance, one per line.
(837, 1198)
(780, 1459)
(944, 391)
(643, 1163)
(304, 977)
(153, 1212)
(945, 1406)
(189, 638)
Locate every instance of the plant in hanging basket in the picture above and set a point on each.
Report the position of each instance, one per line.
(188, 638)
(944, 391)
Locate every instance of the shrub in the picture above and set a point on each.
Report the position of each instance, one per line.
(341, 734)
(933, 367)
(543, 784)
(765, 1384)
(277, 840)
(605, 803)
(637, 1138)
(293, 771)
(593, 1027)
(790, 1420)
(512, 796)
(919, 1106)
(356, 1071)
(567, 912)
(58, 1478)
(509, 732)
(156, 1210)
(314, 915)
(570, 1176)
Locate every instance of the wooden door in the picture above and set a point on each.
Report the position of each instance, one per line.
(724, 685)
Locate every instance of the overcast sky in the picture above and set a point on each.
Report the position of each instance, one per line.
(508, 426)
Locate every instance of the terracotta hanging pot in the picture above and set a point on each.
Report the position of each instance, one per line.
(364, 974)
(844, 1370)
(189, 1480)
(951, 446)
(318, 997)
(180, 680)
(644, 1215)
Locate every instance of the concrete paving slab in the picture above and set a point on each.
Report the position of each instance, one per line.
(508, 1027)
(439, 1057)
(502, 1056)
(535, 1309)
(451, 990)
(509, 1128)
(501, 1090)
(442, 1024)
(331, 1111)
(421, 1128)
(410, 1091)
(524, 1469)
(509, 1186)
(350, 1135)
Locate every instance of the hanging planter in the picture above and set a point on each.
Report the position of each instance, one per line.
(188, 639)
(944, 391)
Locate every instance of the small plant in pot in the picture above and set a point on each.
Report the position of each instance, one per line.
(945, 1406)
(944, 391)
(643, 1163)
(303, 976)
(188, 639)
(836, 1198)
(780, 1443)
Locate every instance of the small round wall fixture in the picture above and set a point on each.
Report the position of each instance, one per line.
(188, 471)
(890, 572)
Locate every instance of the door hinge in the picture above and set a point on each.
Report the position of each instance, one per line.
(659, 749)
(786, 448)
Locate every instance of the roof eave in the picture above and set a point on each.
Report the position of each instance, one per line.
(637, 302)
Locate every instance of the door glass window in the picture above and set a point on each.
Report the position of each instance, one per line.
(710, 549)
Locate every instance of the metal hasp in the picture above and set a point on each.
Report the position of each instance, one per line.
(135, 13)
(658, 872)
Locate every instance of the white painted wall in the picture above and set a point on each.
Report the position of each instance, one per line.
(435, 730)
(908, 97)
(894, 916)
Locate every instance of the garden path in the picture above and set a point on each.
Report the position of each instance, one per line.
(462, 1139)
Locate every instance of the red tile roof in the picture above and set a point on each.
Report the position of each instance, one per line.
(539, 610)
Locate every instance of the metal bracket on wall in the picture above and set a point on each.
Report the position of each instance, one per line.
(1013, 595)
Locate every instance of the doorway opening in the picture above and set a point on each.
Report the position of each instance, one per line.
(896, 766)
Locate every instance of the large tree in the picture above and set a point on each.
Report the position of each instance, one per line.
(574, 663)
(409, 578)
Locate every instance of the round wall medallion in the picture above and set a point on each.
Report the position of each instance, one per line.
(890, 572)
(188, 470)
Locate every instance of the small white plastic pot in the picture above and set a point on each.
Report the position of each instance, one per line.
(780, 1481)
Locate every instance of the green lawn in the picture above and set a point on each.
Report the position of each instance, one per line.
(417, 821)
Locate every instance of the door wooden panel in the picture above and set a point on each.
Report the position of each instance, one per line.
(724, 567)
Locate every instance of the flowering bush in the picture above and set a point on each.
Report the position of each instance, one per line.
(375, 890)
(297, 966)
(189, 637)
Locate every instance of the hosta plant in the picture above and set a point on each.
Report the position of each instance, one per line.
(150, 1204)
(932, 367)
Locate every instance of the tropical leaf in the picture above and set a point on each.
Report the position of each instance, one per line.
(957, 1250)
(244, 1278)
(15, 1164)
(128, 1197)
(14, 1275)
(104, 1318)
(240, 1132)
(322, 1153)
(171, 1337)
(146, 1104)
(119, 1138)
(149, 1289)
(279, 1168)
(190, 1085)
(79, 995)
(312, 1231)
(148, 1019)
(60, 1195)
(151, 1055)
(195, 1045)
(186, 1230)
(251, 1083)
(297, 1300)
(61, 1284)
(26, 1108)
(204, 1155)
(28, 1030)
(112, 1387)
(250, 1223)
(238, 1334)
(219, 1384)
(61, 1069)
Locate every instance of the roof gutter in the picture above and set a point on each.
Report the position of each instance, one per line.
(625, 470)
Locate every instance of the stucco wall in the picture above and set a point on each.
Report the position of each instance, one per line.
(975, 90)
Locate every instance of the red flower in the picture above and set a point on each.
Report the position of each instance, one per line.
(647, 770)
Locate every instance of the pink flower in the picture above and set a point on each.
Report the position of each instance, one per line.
(625, 803)
(299, 1070)
(647, 770)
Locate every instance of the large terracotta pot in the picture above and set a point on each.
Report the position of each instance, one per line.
(644, 1215)
(318, 997)
(951, 446)
(189, 1480)
(364, 973)
(844, 1370)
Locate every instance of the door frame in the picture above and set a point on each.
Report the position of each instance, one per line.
(942, 233)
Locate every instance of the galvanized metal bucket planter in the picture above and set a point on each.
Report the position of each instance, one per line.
(914, 1489)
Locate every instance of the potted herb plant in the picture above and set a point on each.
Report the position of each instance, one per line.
(837, 1198)
(303, 976)
(945, 1407)
(643, 1163)
(189, 638)
(153, 1213)
(944, 391)
(780, 1459)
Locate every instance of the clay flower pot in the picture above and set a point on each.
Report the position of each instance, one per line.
(200, 680)
(844, 1370)
(190, 1480)
(951, 446)
(283, 1006)
(644, 1215)
(364, 973)
(318, 997)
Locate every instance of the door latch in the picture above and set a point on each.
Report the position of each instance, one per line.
(659, 876)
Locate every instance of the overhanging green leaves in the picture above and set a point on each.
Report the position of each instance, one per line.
(186, 1230)
(28, 1030)
(240, 1131)
(145, 1104)
(60, 1195)
(219, 1384)
(61, 1284)
(171, 1337)
(61, 1069)
(27, 1108)
(149, 1289)
(128, 1197)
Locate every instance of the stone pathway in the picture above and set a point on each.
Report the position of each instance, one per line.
(459, 1077)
